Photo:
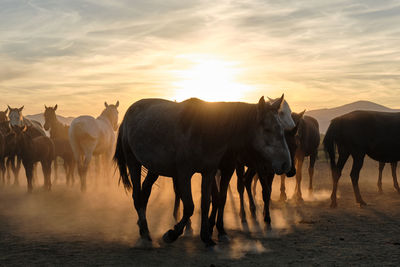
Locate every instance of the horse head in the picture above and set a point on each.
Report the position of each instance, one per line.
(15, 115)
(49, 116)
(269, 138)
(285, 114)
(3, 115)
(111, 113)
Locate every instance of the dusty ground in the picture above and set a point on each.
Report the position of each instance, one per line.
(65, 227)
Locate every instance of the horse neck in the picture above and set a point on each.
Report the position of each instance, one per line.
(58, 130)
(25, 145)
(105, 118)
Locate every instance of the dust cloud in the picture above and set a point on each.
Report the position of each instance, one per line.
(105, 213)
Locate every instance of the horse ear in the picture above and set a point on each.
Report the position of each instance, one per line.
(117, 104)
(21, 108)
(278, 103)
(45, 106)
(270, 99)
(301, 114)
(105, 104)
(6, 111)
(55, 107)
(9, 108)
(261, 107)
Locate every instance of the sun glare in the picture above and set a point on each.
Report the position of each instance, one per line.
(210, 80)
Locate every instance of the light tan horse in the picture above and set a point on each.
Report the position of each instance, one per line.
(93, 137)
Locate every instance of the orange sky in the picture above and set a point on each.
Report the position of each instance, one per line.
(78, 54)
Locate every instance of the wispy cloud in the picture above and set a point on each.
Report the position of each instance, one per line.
(80, 53)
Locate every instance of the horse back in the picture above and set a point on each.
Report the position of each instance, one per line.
(370, 132)
(309, 136)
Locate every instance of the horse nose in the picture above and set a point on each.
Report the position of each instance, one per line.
(286, 167)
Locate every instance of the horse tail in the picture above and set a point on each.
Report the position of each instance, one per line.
(329, 142)
(120, 160)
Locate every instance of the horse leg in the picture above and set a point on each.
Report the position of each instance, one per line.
(2, 171)
(380, 169)
(135, 172)
(206, 186)
(29, 176)
(56, 170)
(299, 176)
(15, 169)
(248, 178)
(283, 196)
(337, 172)
(226, 175)
(254, 190)
(214, 201)
(313, 157)
(240, 189)
(358, 161)
(177, 202)
(8, 169)
(266, 183)
(395, 183)
(46, 168)
(66, 169)
(183, 186)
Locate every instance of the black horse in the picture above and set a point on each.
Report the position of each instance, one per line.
(59, 135)
(308, 140)
(180, 139)
(361, 133)
(32, 150)
(265, 176)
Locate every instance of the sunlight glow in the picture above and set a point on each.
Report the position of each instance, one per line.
(211, 80)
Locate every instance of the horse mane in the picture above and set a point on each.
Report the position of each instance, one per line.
(217, 121)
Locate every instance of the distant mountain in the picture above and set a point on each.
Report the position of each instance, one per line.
(324, 116)
(40, 118)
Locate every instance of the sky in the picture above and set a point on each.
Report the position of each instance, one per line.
(78, 54)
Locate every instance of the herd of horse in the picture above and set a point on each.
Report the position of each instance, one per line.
(177, 139)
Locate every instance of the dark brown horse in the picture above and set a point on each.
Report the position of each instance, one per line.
(308, 139)
(393, 165)
(32, 150)
(361, 133)
(59, 135)
(9, 160)
(179, 139)
(266, 176)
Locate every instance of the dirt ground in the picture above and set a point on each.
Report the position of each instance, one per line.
(66, 227)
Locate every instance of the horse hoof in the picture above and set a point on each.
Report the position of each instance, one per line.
(170, 236)
(189, 231)
(144, 243)
(362, 204)
(210, 243)
(268, 227)
(283, 198)
(223, 238)
(333, 205)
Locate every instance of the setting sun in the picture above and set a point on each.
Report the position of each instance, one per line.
(210, 79)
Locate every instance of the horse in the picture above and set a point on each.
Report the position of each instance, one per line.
(60, 137)
(233, 161)
(361, 133)
(89, 136)
(266, 176)
(34, 129)
(394, 175)
(308, 140)
(179, 139)
(32, 150)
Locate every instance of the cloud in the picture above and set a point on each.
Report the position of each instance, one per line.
(77, 51)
